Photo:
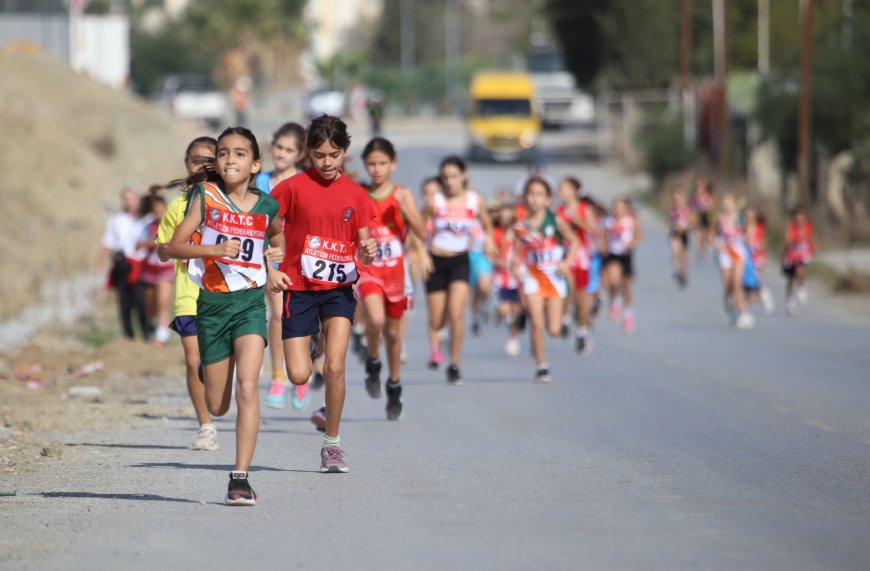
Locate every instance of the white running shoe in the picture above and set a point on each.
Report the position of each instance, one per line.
(206, 438)
(745, 321)
(802, 295)
(767, 301)
(512, 347)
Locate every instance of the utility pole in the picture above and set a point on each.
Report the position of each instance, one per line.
(408, 36)
(720, 49)
(685, 42)
(803, 158)
(451, 50)
(763, 37)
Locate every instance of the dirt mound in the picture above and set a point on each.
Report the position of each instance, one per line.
(71, 143)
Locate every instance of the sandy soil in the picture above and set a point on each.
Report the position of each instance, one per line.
(71, 145)
(37, 411)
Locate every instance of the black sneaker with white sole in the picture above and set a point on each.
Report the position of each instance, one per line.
(373, 378)
(394, 401)
(239, 491)
(453, 376)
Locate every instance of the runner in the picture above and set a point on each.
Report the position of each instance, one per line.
(799, 248)
(287, 150)
(157, 276)
(679, 223)
(382, 286)
(703, 201)
(200, 154)
(432, 186)
(732, 261)
(507, 286)
(224, 233)
(480, 278)
(539, 241)
(453, 215)
(326, 219)
(622, 236)
(756, 240)
(595, 243)
(580, 217)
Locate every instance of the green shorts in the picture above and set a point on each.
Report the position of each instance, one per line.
(224, 317)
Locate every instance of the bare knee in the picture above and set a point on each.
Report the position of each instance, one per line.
(299, 374)
(333, 370)
(375, 322)
(246, 393)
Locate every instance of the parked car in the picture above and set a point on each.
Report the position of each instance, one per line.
(503, 123)
(325, 102)
(195, 97)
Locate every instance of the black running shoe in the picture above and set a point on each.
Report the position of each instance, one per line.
(520, 321)
(475, 327)
(373, 378)
(580, 344)
(239, 492)
(596, 305)
(565, 331)
(356, 343)
(453, 376)
(317, 381)
(394, 401)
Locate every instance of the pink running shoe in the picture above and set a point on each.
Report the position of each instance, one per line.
(435, 359)
(628, 323)
(614, 311)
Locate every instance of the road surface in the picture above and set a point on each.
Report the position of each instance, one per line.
(687, 445)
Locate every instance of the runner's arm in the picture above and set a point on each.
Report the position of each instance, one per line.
(368, 248)
(488, 245)
(638, 234)
(412, 215)
(179, 247)
(569, 236)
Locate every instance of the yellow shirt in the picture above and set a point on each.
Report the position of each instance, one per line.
(186, 292)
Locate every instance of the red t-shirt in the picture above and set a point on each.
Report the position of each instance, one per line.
(321, 224)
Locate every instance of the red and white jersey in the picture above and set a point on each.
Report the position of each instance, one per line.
(798, 243)
(680, 217)
(756, 238)
(503, 275)
(584, 253)
(454, 225)
(619, 234)
(388, 230)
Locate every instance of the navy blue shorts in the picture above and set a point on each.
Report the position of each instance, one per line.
(185, 325)
(303, 310)
(508, 295)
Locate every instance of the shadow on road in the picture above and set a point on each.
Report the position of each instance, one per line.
(134, 497)
(134, 446)
(222, 467)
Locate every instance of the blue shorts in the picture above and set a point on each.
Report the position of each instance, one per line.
(508, 295)
(480, 266)
(594, 274)
(185, 325)
(303, 310)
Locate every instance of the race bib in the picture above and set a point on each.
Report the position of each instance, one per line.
(544, 257)
(327, 261)
(247, 229)
(390, 251)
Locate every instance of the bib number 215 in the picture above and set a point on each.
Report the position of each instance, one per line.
(336, 272)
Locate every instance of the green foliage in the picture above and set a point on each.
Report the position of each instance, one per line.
(664, 147)
(172, 50)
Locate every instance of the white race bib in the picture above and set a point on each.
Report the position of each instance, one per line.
(327, 261)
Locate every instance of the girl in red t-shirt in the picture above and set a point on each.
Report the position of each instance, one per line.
(326, 228)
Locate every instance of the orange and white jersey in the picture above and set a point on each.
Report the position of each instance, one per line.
(542, 252)
(454, 225)
(222, 221)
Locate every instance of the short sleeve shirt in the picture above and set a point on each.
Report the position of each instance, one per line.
(330, 211)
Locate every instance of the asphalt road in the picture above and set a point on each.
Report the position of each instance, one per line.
(687, 445)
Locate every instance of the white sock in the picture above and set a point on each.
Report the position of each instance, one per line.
(582, 331)
(330, 442)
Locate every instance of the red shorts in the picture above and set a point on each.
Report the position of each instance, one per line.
(581, 278)
(393, 309)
